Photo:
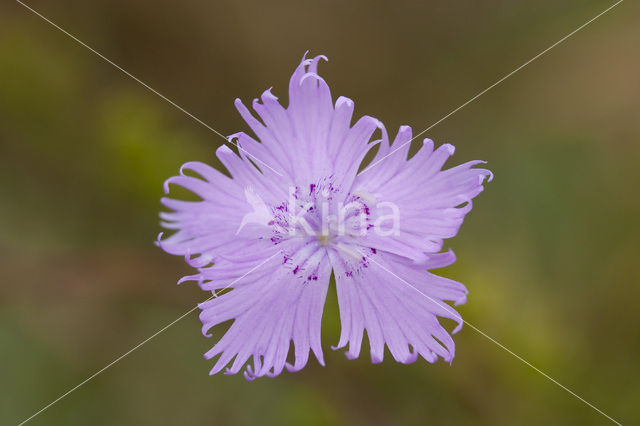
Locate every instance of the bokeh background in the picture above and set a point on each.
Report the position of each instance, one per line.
(549, 254)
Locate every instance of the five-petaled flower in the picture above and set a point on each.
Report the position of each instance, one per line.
(297, 208)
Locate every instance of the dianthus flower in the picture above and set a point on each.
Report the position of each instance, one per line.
(298, 208)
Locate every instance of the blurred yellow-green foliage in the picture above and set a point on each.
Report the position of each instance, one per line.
(549, 254)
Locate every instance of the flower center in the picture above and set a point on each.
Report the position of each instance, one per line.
(316, 220)
(324, 239)
(320, 214)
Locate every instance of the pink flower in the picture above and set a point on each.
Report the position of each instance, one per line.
(297, 209)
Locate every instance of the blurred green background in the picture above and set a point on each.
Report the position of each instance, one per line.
(550, 253)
